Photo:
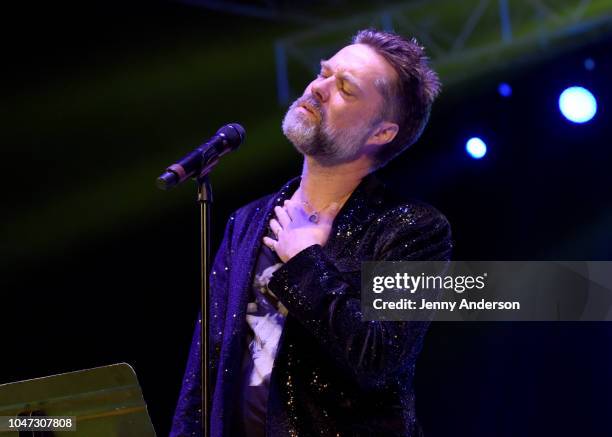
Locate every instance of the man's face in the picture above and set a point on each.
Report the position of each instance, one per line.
(340, 109)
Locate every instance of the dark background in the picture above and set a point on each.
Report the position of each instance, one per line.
(100, 267)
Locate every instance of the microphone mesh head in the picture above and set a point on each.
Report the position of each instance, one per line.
(234, 133)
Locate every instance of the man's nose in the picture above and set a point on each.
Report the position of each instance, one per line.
(320, 89)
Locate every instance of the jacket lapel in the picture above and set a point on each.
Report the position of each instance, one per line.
(241, 278)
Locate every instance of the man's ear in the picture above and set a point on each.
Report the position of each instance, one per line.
(385, 133)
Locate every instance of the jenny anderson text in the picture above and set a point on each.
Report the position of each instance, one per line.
(424, 304)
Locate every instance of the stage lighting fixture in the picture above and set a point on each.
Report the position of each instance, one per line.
(577, 104)
(476, 148)
(504, 89)
(589, 64)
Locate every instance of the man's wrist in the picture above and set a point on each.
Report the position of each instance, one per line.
(302, 250)
(297, 275)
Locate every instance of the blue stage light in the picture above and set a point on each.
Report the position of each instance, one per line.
(577, 104)
(504, 89)
(589, 64)
(476, 148)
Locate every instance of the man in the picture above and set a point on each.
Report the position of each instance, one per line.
(290, 355)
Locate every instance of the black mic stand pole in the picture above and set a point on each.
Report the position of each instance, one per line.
(205, 201)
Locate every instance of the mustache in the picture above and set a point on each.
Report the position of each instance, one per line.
(312, 102)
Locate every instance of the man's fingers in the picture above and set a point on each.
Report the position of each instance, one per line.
(275, 226)
(269, 242)
(294, 208)
(283, 217)
(330, 213)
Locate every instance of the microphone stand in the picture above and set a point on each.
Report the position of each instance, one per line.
(205, 200)
(204, 159)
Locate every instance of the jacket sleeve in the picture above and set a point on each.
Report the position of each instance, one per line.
(327, 302)
(187, 414)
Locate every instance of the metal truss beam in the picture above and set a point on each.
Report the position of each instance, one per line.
(463, 39)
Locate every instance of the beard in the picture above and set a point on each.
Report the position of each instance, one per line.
(312, 136)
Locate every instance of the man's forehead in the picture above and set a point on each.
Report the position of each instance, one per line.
(361, 61)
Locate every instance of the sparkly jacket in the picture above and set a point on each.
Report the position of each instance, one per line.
(334, 374)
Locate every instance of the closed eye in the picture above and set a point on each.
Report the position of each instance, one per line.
(343, 90)
(341, 83)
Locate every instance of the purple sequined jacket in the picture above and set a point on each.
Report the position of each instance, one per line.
(334, 375)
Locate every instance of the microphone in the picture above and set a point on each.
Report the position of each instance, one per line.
(203, 159)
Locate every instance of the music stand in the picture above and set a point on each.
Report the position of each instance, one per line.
(105, 401)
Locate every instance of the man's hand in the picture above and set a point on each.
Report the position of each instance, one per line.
(295, 232)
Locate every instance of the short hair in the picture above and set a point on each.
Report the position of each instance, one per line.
(408, 101)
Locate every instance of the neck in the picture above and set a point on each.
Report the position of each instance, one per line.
(323, 185)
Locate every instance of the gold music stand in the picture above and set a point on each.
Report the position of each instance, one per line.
(104, 402)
